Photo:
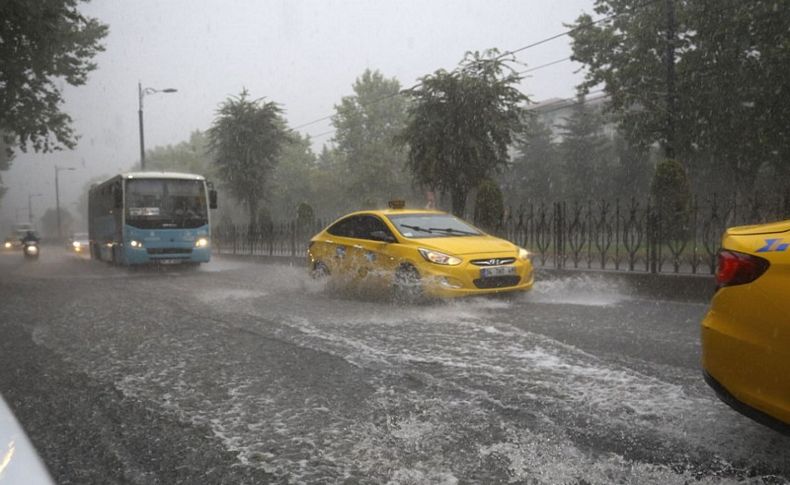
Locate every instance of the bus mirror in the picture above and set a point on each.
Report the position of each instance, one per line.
(212, 199)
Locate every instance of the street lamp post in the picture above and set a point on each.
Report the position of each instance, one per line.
(30, 206)
(141, 92)
(57, 197)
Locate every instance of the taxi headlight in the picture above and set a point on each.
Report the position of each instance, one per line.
(201, 243)
(523, 254)
(439, 258)
(135, 244)
(7, 245)
(76, 244)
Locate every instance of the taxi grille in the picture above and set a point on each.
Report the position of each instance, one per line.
(497, 282)
(169, 250)
(493, 261)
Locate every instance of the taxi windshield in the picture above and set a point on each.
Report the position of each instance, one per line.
(431, 225)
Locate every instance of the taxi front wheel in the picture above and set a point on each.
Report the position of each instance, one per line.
(319, 271)
(406, 287)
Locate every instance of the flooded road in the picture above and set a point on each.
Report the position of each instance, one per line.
(273, 378)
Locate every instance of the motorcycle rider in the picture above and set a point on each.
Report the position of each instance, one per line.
(29, 237)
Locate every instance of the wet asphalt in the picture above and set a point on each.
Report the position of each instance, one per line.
(242, 372)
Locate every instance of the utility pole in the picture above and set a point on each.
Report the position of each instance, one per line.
(141, 92)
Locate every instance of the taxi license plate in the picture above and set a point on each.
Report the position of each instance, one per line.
(497, 271)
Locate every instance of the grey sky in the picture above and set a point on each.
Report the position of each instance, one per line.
(302, 54)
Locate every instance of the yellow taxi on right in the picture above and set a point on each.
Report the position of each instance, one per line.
(746, 332)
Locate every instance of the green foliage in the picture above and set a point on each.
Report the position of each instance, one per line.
(42, 43)
(291, 182)
(671, 197)
(535, 173)
(329, 196)
(489, 205)
(246, 140)
(462, 124)
(366, 125)
(730, 113)
(584, 153)
(190, 156)
(304, 214)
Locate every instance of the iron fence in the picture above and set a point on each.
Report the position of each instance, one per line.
(602, 234)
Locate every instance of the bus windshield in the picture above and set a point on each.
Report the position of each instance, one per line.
(166, 203)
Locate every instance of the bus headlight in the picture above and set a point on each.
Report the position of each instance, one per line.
(201, 243)
(135, 244)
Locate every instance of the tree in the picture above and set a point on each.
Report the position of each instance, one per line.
(461, 125)
(489, 206)
(633, 170)
(706, 79)
(291, 179)
(672, 199)
(632, 52)
(583, 150)
(367, 124)
(42, 43)
(329, 198)
(535, 172)
(246, 140)
(190, 156)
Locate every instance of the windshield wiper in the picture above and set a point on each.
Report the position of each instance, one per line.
(416, 228)
(452, 231)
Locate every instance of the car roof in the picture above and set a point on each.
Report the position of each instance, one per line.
(395, 212)
(162, 175)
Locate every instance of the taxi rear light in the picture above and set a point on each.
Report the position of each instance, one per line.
(736, 268)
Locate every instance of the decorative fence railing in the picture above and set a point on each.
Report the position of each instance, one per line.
(614, 235)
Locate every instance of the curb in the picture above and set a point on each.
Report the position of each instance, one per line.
(671, 286)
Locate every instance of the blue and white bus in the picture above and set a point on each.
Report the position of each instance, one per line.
(149, 217)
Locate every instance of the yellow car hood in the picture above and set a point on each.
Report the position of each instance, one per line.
(463, 245)
(771, 228)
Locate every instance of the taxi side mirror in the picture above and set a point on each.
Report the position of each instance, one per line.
(382, 236)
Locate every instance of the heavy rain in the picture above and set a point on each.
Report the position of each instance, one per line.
(404, 243)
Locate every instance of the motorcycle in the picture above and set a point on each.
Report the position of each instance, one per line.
(31, 250)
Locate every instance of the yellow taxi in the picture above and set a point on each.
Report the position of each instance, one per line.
(746, 333)
(419, 252)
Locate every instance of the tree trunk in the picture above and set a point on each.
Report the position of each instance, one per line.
(459, 201)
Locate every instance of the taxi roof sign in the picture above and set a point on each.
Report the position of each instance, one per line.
(397, 204)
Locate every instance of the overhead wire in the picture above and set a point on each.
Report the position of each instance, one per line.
(504, 54)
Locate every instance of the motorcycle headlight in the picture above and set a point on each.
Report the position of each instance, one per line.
(32, 249)
(7, 245)
(523, 254)
(201, 243)
(439, 258)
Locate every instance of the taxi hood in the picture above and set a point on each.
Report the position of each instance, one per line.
(464, 245)
(770, 228)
